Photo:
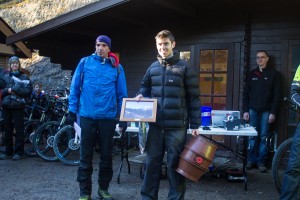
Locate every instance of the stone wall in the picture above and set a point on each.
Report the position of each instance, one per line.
(50, 75)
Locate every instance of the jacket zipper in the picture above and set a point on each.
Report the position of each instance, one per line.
(163, 93)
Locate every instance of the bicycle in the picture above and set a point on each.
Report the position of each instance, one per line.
(66, 145)
(282, 154)
(44, 135)
(30, 126)
(49, 111)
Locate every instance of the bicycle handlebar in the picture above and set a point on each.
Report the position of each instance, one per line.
(291, 105)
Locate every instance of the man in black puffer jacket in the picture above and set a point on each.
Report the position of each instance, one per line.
(17, 88)
(175, 85)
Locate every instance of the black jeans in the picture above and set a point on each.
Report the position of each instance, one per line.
(158, 141)
(14, 118)
(93, 131)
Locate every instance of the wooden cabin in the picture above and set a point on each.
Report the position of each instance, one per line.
(6, 51)
(218, 38)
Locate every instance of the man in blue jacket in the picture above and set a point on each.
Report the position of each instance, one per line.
(96, 93)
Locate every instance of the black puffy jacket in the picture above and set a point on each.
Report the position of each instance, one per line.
(176, 87)
(21, 92)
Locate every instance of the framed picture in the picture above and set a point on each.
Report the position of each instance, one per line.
(143, 110)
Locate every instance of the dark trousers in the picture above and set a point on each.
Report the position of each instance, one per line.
(291, 182)
(93, 131)
(14, 119)
(158, 141)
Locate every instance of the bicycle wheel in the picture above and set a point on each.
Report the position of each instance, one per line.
(65, 148)
(280, 162)
(29, 131)
(43, 140)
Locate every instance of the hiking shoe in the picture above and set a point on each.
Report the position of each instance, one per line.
(4, 156)
(262, 168)
(250, 166)
(103, 194)
(85, 197)
(17, 157)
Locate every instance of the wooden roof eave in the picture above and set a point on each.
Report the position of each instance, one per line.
(8, 31)
(63, 19)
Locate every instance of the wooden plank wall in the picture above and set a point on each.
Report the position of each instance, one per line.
(3, 61)
(268, 32)
(274, 35)
(135, 64)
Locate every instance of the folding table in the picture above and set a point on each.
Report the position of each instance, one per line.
(245, 132)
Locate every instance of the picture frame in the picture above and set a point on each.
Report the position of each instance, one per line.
(143, 110)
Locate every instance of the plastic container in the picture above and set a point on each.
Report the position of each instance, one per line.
(205, 115)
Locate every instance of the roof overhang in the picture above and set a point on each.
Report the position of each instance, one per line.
(65, 19)
(67, 38)
(8, 31)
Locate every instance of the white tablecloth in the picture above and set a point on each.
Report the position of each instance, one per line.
(243, 131)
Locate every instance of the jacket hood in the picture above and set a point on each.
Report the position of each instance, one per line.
(111, 57)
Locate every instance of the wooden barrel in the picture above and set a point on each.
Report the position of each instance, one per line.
(196, 157)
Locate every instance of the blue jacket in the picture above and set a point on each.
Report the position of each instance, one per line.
(97, 88)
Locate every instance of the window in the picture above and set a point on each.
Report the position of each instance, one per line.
(218, 87)
(213, 78)
(185, 55)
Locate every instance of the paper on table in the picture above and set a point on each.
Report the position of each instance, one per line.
(77, 133)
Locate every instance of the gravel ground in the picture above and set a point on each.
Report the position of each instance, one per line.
(33, 178)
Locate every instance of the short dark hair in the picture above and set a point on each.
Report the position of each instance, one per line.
(165, 34)
(262, 51)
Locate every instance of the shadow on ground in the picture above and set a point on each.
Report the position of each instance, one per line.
(33, 178)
